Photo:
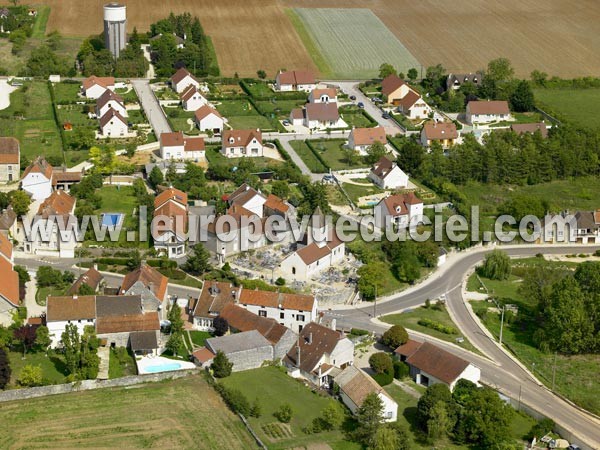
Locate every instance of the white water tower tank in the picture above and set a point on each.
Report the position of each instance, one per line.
(115, 20)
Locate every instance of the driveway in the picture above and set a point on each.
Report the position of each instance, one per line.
(351, 88)
(153, 111)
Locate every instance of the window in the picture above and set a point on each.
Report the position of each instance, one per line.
(299, 328)
(262, 313)
(300, 317)
(282, 315)
(388, 415)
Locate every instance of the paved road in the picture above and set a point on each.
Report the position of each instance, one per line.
(151, 107)
(351, 88)
(502, 372)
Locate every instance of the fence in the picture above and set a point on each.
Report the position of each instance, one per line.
(86, 385)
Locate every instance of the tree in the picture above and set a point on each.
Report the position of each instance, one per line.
(156, 177)
(220, 325)
(48, 276)
(395, 336)
(386, 438)
(284, 413)
(500, 69)
(539, 78)
(411, 157)
(496, 265)
(412, 74)
(435, 76)
(85, 289)
(256, 409)
(221, 365)
(375, 152)
(4, 368)
(25, 334)
(42, 337)
(521, 100)
(24, 276)
(438, 424)
(369, 417)
(261, 74)
(72, 348)
(20, 202)
(351, 156)
(370, 279)
(434, 394)
(30, 376)
(541, 428)
(387, 69)
(174, 317)
(280, 188)
(332, 416)
(198, 262)
(175, 344)
(381, 362)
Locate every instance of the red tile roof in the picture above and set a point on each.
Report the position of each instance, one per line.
(174, 139)
(521, 128)
(9, 287)
(128, 323)
(107, 97)
(9, 150)
(314, 342)
(437, 362)
(296, 77)
(181, 74)
(270, 299)
(205, 111)
(409, 100)
(322, 111)
(368, 136)
(105, 82)
(214, 297)
(109, 115)
(91, 277)
(193, 144)
(383, 167)
(408, 349)
(6, 247)
(39, 165)
(63, 308)
(488, 107)
(241, 137)
(242, 320)
(390, 83)
(188, 92)
(58, 204)
(170, 194)
(330, 92)
(397, 204)
(276, 204)
(147, 276)
(203, 355)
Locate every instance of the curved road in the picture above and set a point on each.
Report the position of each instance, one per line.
(502, 371)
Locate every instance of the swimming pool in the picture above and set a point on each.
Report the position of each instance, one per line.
(163, 367)
(111, 220)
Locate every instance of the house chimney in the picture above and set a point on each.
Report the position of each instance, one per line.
(95, 266)
(310, 338)
(75, 297)
(151, 286)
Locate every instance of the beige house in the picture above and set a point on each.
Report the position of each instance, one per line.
(361, 139)
(444, 133)
(295, 80)
(10, 157)
(487, 111)
(242, 143)
(394, 89)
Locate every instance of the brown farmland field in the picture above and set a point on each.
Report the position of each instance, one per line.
(560, 37)
(248, 35)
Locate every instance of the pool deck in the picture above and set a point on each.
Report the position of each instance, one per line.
(151, 361)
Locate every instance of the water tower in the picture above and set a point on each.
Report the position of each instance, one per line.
(115, 19)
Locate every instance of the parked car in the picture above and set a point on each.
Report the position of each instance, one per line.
(286, 123)
(386, 116)
(573, 447)
(361, 105)
(353, 97)
(376, 100)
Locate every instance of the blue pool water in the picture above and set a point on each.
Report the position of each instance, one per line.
(372, 203)
(111, 219)
(163, 367)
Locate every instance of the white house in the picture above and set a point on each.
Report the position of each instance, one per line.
(444, 133)
(455, 80)
(79, 310)
(177, 146)
(209, 119)
(323, 250)
(113, 124)
(242, 143)
(413, 106)
(355, 385)
(54, 229)
(170, 223)
(109, 100)
(37, 179)
(248, 198)
(10, 159)
(361, 139)
(192, 99)
(486, 111)
(318, 352)
(182, 79)
(9, 287)
(386, 174)
(402, 211)
(326, 95)
(430, 364)
(296, 80)
(94, 87)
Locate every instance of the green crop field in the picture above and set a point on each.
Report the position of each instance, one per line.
(352, 42)
(578, 106)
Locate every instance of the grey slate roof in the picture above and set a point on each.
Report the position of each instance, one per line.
(143, 340)
(118, 305)
(237, 342)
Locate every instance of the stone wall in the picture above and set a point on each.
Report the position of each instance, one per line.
(250, 359)
(86, 385)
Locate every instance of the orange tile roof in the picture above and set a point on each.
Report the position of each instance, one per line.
(174, 139)
(128, 323)
(488, 107)
(271, 299)
(330, 92)
(275, 203)
(408, 348)
(437, 362)
(195, 144)
(39, 165)
(440, 130)
(9, 287)
(296, 77)
(9, 150)
(397, 204)
(105, 82)
(63, 308)
(322, 111)
(206, 110)
(170, 194)
(368, 136)
(242, 320)
(147, 275)
(58, 204)
(170, 213)
(241, 137)
(6, 247)
(203, 355)
(390, 83)
(312, 253)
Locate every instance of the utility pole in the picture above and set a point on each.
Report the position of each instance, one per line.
(502, 323)
(519, 408)
(554, 372)
(375, 304)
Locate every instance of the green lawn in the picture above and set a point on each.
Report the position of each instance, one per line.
(273, 387)
(305, 153)
(121, 363)
(249, 122)
(184, 413)
(410, 319)
(576, 376)
(76, 115)
(332, 152)
(42, 294)
(200, 337)
(356, 191)
(67, 92)
(53, 367)
(39, 26)
(355, 117)
(32, 101)
(579, 106)
(279, 109)
(214, 156)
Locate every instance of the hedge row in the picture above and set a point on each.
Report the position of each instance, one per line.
(294, 95)
(317, 154)
(112, 261)
(235, 399)
(437, 326)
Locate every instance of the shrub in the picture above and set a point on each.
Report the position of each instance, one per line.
(437, 326)
(383, 379)
(31, 376)
(359, 332)
(395, 336)
(284, 413)
(235, 399)
(381, 363)
(280, 281)
(540, 429)
(401, 370)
